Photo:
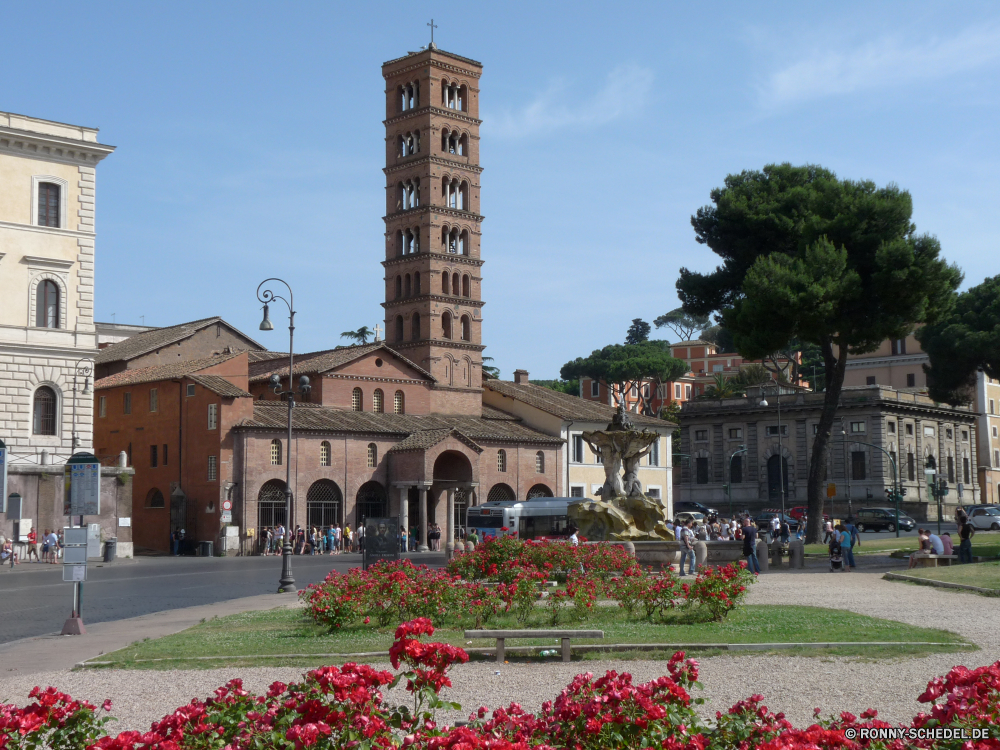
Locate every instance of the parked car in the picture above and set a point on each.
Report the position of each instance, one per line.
(690, 515)
(985, 517)
(693, 507)
(763, 521)
(798, 513)
(877, 519)
(969, 508)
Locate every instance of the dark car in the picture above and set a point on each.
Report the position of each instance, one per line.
(876, 519)
(763, 521)
(692, 507)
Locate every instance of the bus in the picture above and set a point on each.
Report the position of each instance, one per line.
(538, 518)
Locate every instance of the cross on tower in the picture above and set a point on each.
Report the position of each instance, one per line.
(378, 332)
(433, 26)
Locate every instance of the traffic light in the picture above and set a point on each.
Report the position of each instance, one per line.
(944, 487)
(902, 491)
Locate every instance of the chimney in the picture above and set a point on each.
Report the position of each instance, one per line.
(521, 377)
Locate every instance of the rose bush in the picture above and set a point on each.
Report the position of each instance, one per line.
(344, 708)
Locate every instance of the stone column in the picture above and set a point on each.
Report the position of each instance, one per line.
(449, 527)
(422, 546)
(404, 511)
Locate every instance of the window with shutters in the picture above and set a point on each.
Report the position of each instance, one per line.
(735, 433)
(501, 460)
(951, 468)
(701, 469)
(153, 399)
(44, 411)
(356, 400)
(324, 453)
(399, 403)
(127, 403)
(152, 456)
(654, 453)
(190, 389)
(378, 405)
(577, 490)
(47, 304)
(965, 469)
(213, 416)
(102, 406)
(213, 468)
(577, 449)
(539, 463)
(49, 197)
(595, 392)
(911, 467)
(372, 455)
(858, 465)
(736, 472)
(275, 452)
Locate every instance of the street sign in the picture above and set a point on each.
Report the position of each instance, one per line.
(227, 504)
(831, 490)
(74, 573)
(82, 495)
(226, 516)
(74, 537)
(74, 556)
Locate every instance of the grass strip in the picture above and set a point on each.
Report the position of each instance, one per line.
(985, 576)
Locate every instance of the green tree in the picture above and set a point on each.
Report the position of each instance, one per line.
(683, 324)
(359, 336)
(625, 365)
(965, 340)
(490, 371)
(572, 387)
(637, 332)
(723, 387)
(831, 262)
(719, 336)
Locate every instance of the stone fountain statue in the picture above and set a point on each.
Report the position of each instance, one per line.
(624, 512)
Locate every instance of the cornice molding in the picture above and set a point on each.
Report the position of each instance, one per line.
(443, 299)
(440, 344)
(887, 361)
(456, 212)
(47, 264)
(51, 147)
(450, 163)
(455, 114)
(447, 257)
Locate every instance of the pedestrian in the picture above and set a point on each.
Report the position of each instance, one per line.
(45, 546)
(434, 536)
(7, 553)
(923, 538)
(965, 533)
(337, 539)
(687, 547)
(33, 545)
(360, 537)
(937, 546)
(331, 539)
(52, 540)
(749, 533)
(827, 531)
(852, 530)
(348, 538)
(949, 546)
(775, 527)
(785, 532)
(844, 539)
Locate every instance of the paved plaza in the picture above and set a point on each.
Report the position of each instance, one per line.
(790, 684)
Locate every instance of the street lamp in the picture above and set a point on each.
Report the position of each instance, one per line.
(895, 473)
(84, 370)
(781, 456)
(729, 487)
(287, 582)
(930, 470)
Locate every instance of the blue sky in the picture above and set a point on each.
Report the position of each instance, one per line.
(250, 144)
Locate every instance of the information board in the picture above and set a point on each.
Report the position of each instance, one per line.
(82, 495)
(74, 573)
(381, 540)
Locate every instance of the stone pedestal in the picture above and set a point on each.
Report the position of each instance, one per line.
(796, 554)
(762, 558)
(775, 554)
(700, 554)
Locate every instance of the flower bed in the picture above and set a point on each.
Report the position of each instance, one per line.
(343, 707)
(394, 591)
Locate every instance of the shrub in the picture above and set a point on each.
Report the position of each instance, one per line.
(718, 590)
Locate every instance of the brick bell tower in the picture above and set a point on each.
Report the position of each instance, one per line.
(433, 305)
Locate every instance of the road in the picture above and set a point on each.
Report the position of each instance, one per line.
(36, 601)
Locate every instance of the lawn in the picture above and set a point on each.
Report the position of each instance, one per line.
(256, 638)
(984, 544)
(982, 575)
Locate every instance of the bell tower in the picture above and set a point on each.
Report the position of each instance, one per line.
(433, 305)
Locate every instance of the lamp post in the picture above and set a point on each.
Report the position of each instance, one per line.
(83, 370)
(781, 456)
(895, 472)
(287, 582)
(729, 487)
(930, 471)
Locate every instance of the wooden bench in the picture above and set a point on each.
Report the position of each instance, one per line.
(934, 561)
(501, 637)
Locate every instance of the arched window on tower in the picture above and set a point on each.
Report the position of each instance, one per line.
(463, 196)
(415, 326)
(399, 403)
(275, 452)
(416, 283)
(466, 328)
(465, 285)
(372, 455)
(539, 463)
(47, 304)
(407, 286)
(463, 243)
(399, 242)
(501, 460)
(463, 145)
(445, 139)
(357, 400)
(378, 401)
(445, 286)
(415, 246)
(446, 325)
(399, 287)
(324, 453)
(456, 281)
(399, 328)
(43, 416)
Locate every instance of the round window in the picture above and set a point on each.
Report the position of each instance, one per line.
(378, 362)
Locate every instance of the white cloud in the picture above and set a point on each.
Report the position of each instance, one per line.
(889, 61)
(624, 93)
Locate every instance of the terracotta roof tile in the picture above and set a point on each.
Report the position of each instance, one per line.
(424, 439)
(147, 341)
(160, 372)
(219, 385)
(324, 361)
(563, 405)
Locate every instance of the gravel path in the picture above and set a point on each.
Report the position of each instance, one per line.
(790, 684)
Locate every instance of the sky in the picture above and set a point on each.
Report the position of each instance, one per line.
(250, 144)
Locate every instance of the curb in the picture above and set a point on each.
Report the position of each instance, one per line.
(940, 584)
(595, 648)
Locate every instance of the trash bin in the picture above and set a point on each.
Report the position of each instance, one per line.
(205, 549)
(109, 550)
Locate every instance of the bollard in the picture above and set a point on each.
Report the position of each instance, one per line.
(762, 558)
(700, 554)
(776, 554)
(796, 554)
(629, 547)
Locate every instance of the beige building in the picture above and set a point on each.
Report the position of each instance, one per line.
(47, 245)
(900, 364)
(909, 426)
(568, 417)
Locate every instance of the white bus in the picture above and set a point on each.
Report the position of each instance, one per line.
(538, 518)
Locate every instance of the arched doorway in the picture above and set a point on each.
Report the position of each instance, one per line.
(500, 493)
(452, 470)
(372, 501)
(538, 490)
(776, 477)
(323, 503)
(271, 504)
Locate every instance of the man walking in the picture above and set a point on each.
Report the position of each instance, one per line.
(855, 540)
(687, 547)
(775, 526)
(965, 533)
(750, 545)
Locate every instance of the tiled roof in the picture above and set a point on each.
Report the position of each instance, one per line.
(220, 386)
(424, 439)
(274, 415)
(255, 356)
(490, 412)
(563, 405)
(160, 372)
(324, 361)
(143, 343)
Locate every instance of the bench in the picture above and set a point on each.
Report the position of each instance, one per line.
(934, 561)
(501, 637)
